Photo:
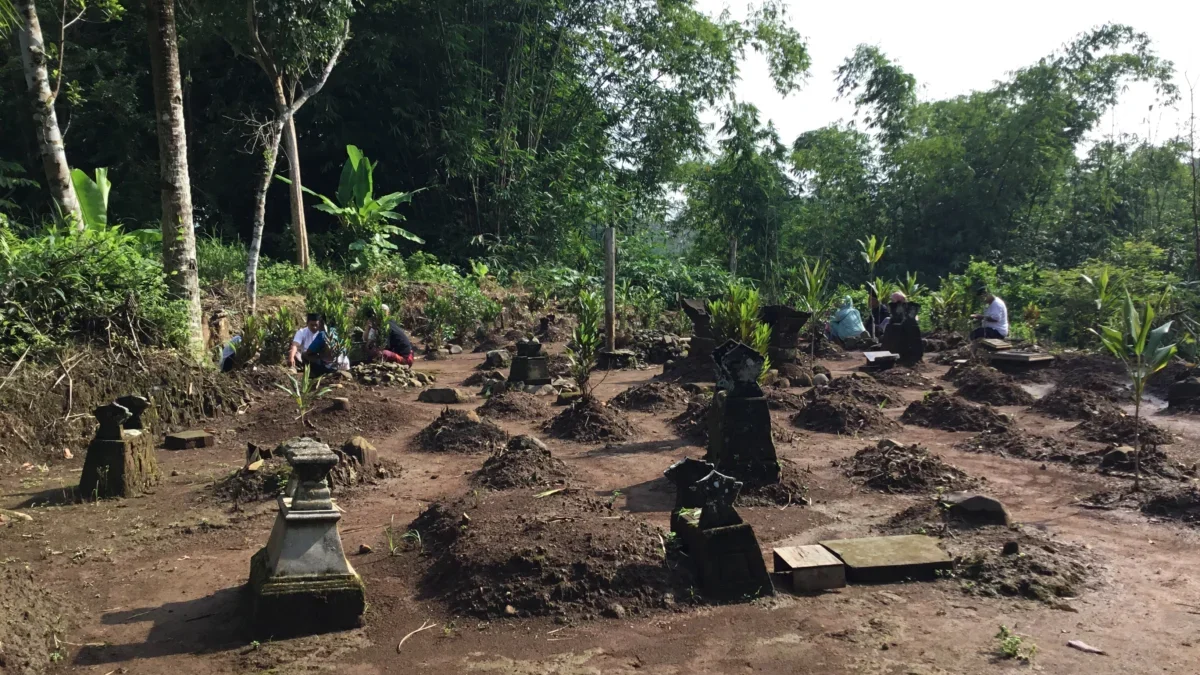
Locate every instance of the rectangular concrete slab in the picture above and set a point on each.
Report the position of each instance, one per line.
(195, 438)
(880, 357)
(1023, 357)
(890, 559)
(810, 568)
(996, 345)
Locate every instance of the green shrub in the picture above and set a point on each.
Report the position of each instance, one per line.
(93, 286)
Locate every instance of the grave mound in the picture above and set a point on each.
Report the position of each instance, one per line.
(939, 410)
(268, 480)
(1013, 442)
(838, 414)
(1039, 569)
(1181, 505)
(781, 399)
(789, 490)
(1098, 374)
(866, 390)
(461, 431)
(903, 378)
(482, 377)
(509, 554)
(692, 423)
(1117, 427)
(33, 621)
(525, 462)
(651, 397)
(894, 468)
(588, 420)
(513, 405)
(1070, 403)
(1153, 462)
(988, 385)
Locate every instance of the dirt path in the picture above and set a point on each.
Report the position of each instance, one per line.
(158, 579)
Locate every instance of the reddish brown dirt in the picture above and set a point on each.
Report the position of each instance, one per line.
(902, 378)
(838, 414)
(897, 469)
(158, 578)
(1068, 403)
(982, 384)
(1117, 427)
(463, 432)
(588, 420)
(33, 623)
(651, 397)
(524, 462)
(950, 413)
(514, 405)
(867, 390)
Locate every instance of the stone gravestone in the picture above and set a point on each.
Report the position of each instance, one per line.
(703, 341)
(786, 324)
(1184, 393)
(723, 548)
(121, 460)
(529, 366)
(301, 581)
(739, 419)
(902, 335)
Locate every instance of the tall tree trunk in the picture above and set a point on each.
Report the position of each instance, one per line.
(733, 256)
(292, 149)
(270, 158)
(49, 137)
(179, 237)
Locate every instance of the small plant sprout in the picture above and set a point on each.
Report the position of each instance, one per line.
(304, 391)
(1013, 646)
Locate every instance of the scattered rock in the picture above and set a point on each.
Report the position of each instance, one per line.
(363, 549)
(497, 358)
(977, 509)
(339, 403)
(820, 380)
(489, 379)
(361, 450)
(615, 611)
(797, 375)
(443, 395)
(388, 374)
(454, 349)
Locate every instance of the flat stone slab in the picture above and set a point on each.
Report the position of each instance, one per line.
(995, 345)
(881, 357)
(186, 440)
(810, 568)
(1023, 357)
(876, 560)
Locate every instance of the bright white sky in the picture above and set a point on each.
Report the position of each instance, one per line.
(956, 47)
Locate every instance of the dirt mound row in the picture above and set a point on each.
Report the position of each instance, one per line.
(838, 414)
(939, 410)
(651, 397)
(902, 378)
(514, 405)
(1070, 403)
(510, 554)
(894, 468)
(588, 420)
(988, 385)
(1012, 442)
(1117, 427)
(866, 390)
(525, 462)
(461, 431)
(33, 623)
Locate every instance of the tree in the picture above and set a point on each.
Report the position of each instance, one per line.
(1140, 347)
(41, 98)
(178, 229)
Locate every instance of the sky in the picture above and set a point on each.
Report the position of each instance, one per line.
(954, 48)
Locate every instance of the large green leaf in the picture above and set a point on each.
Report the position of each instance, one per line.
(92, 196)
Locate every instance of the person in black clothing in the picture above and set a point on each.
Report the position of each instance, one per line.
(398, 346)
(877, 318)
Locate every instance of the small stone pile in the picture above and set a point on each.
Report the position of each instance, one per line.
(657, 347)
(390, 375)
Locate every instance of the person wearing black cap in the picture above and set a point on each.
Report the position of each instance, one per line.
(310, 347)
(993, 323)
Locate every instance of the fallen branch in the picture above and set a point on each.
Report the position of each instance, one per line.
(424, 626)
(13, 370)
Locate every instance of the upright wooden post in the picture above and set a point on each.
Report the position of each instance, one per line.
(610, 289)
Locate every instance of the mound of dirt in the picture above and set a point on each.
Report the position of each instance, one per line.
(789, 490)
(1153, 462)
(988, 385)
(692, 423)
(651, 397)
(939, 410)
(525, 462)
(1160, 382)
(33, 623)
(866, 390)
(781, 399)
(894, 468)
(268, 480)
(509, 554)
(514, 405)
(482, 377)
(559, 366)
(588, 420)
(903, 378)
(1069, 403)
(1182, 505)
(461, 431)
(838, 414)
(1117, 427)
(1099, 374)
(1039, 569)
(1013, 442)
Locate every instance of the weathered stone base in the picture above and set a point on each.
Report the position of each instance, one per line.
(124, 468)
(739, 440)
(728, 561)
(534, 370)
(303, 605)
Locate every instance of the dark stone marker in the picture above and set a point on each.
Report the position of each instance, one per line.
(529, 366)
(120, 462)
(186, 440)
(739, 419)
(902, 335)
(786, 324)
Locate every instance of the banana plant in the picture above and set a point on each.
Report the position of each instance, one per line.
(368, 218)
(93, 196)
(1140, 347)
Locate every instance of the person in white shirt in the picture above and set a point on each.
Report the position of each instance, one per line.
(993, 323)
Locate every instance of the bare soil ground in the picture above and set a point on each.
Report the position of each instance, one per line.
(154, 584)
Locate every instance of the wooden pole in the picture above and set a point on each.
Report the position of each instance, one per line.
(610, 289)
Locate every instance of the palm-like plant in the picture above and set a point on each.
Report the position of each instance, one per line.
(880, 288)
(586, 340)
(1140, 347)
(304, 391)
(736, 317)
(1103, 288)
(368, 218)
(909, 286)
(872, 251)
(942, 306)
